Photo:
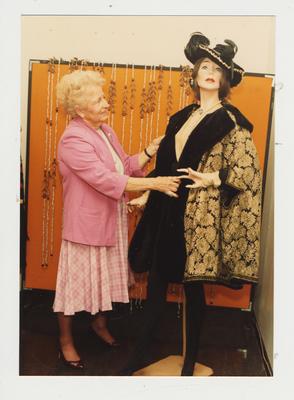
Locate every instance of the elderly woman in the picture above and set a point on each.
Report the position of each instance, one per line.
(211, 232)
(96, 174)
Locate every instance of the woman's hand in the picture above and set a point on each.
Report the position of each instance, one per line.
(200, 179)
(167, 184)
(154, 145)
(138, 202)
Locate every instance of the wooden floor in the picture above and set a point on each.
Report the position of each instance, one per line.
(229, 344)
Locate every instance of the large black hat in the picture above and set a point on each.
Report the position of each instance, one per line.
(221, 54)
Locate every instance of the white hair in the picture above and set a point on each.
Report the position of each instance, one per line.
(76, 88)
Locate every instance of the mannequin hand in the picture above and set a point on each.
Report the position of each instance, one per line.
(138, 202)
(153, 146)
(200, 179)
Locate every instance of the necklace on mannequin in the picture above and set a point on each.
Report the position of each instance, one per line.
(202, 111)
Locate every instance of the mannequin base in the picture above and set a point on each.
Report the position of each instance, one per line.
(172, 366)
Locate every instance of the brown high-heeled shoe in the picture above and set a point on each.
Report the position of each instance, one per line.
(96, 336)
(78, 364)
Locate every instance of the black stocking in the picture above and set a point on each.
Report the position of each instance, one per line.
(153, 310)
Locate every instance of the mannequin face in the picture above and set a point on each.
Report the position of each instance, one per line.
(96, 110)
(209, 75)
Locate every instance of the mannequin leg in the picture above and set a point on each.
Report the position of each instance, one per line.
(154, 307)
(66, 339)
(195, 309)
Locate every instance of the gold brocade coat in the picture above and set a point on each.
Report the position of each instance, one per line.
(222, 225)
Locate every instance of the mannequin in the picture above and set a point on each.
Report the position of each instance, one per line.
(201, 235)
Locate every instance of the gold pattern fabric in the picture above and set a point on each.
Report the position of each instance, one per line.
(222, 240)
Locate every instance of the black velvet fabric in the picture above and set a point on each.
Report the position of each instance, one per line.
(241, 120)
(227, 192)
(158, 241)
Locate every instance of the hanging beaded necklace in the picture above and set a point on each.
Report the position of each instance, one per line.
(132, 106)
(142, 110)
(54, 168)
(159, 90)
(169, 101)
(47, 162)
(124, 106)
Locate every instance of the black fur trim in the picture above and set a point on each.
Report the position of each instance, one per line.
(240, 118)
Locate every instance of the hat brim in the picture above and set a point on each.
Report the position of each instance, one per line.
(204, 51)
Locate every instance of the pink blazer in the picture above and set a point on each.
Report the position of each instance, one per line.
(91, 185)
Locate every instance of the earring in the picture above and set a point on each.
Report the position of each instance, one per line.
(192, 83)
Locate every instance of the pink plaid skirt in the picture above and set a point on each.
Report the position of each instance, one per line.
(90, 278)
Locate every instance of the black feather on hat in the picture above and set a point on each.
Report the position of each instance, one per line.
(221, 54)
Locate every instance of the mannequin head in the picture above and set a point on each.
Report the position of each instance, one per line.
(210, 77)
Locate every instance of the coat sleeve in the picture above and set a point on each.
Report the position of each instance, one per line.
(241, 170)
(240, 214)
(131, 163)
(154, 173)
(80, 157)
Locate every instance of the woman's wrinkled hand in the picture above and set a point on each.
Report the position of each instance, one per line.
(138, 203)
(154, 145)
(200, 179)
(168, 185)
